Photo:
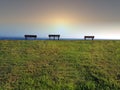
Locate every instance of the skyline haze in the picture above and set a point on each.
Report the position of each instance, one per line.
(69, 18)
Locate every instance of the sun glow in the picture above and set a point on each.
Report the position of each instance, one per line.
(61, 21)
(60, 25)
(57, 24)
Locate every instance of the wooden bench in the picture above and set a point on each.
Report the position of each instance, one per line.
(30, 36)
(54, 36)
(92, 37)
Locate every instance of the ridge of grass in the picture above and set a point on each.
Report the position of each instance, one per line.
(59, 65)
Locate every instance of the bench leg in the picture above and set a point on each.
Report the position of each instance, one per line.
(25, 38)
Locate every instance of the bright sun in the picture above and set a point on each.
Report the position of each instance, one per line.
(61, 22)
(61, 25)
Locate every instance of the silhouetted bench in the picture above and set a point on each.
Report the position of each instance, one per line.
(54, 36)
(30, 36)
(92, 37)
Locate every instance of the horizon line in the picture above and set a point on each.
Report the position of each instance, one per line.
(46, 38)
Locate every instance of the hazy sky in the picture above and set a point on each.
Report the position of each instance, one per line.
(70, 18)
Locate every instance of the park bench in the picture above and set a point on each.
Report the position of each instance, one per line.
(30, 36)
(53, 36)
(92, 37)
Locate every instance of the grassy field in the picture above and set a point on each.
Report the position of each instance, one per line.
(59, 65)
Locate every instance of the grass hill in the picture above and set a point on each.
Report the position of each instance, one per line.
(59, 65)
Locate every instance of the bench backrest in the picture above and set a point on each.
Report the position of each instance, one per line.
(31, 36)
(88, 36)
(54, 35)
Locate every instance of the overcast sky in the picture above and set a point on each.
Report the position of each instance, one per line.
(70, 18)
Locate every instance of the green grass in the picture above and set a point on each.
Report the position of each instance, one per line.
(59, 65)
